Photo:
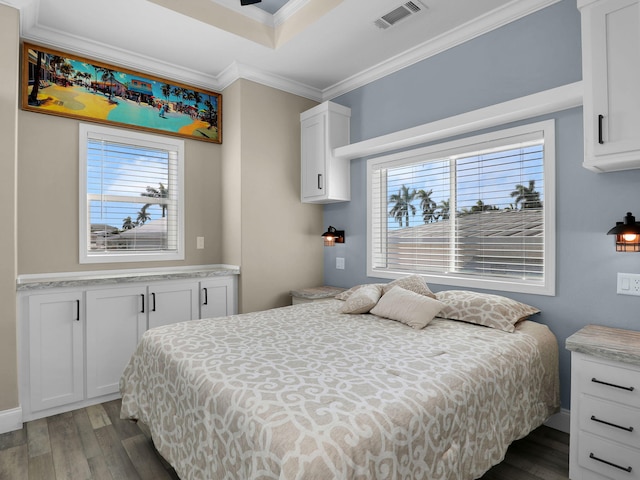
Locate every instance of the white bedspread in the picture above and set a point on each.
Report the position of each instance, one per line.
(304, 392)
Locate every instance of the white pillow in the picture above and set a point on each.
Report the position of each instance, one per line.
(408, 307)
(363, 299)
(414, 283)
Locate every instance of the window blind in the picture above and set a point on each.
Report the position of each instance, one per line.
(132, 193)
(475, 211)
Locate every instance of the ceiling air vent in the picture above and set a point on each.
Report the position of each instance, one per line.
(399, 13)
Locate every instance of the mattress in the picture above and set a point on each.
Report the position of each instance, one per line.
(305, 392)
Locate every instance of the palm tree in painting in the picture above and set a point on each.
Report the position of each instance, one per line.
(527, 197)
(166, 91)
(66, 69)
(33, 96)
(402, 205)
(211, 114)
(428, 205)
(55, 62)
(108, 77)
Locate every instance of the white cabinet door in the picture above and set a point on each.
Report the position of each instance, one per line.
(56, 366)
(324, 179)
(611, 71)
(314, 175)
(172, 303)
(116, 319)
(217, 297)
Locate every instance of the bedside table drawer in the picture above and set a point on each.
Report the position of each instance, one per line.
(611, 420)
(610, 381)
(607, 458)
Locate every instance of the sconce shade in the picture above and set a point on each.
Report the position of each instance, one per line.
(333, 236)
(627, 234)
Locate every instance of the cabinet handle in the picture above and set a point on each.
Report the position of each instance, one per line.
(629, 389)
(626, 469)
(77, 310)
(153, 297)
(319, 181)
(628, 429)
(206, 297)
(142, 295)
(600, 119)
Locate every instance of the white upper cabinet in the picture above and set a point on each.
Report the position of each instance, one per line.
(611, 75)
(325, 179)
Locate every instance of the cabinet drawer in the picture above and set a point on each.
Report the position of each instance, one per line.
(610, 420)
(615, 382)
(607, 458)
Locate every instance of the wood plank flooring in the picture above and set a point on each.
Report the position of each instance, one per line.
(93, 443)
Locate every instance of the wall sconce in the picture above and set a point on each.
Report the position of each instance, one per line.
(627, 234)
(333, 236)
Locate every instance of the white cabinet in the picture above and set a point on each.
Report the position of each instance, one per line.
(605, 404)
(55, 337)
(76, 341)
(218, 297)
(611, 76)
(325, 179)
(172, 303)
(116, 319)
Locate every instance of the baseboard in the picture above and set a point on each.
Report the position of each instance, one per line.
(10, 420)
(560, 421)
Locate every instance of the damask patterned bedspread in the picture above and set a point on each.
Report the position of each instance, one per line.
(305, 392)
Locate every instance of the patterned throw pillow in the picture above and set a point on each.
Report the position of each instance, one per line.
(492, 311)
(362, 300)
(347, 293)
(408, 307)
(413, 283)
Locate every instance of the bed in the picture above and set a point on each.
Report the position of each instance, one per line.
(308, 392)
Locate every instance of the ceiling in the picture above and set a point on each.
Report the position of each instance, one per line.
(318, 49)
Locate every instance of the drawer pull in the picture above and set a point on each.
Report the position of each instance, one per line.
(626, 469)
(628, 429)
(595, 380)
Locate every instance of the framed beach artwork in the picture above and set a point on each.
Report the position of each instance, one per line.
(62, 84)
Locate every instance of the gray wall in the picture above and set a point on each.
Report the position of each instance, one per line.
(536, 53)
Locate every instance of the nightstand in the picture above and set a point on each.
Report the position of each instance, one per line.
(605, 404)
(314, 294)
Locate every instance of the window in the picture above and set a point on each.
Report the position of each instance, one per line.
(131, 196)
(477, 212)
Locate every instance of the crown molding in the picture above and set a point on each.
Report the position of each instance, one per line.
(237, 71)
(33, 32)
(118, 57)
(479, 26)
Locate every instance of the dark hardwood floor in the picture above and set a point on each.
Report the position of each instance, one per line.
(94, 444)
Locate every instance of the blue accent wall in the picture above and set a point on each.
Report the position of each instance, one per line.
(533, 54)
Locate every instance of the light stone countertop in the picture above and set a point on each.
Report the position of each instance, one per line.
(111, 277)
(605, 342)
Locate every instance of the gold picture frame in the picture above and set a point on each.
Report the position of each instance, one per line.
(67, 85)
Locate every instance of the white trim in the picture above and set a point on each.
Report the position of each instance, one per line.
(542, 103)
(134, 138)
(548, 286)
(33, 32)
(560, 421)
(10, 420)
(468, 31)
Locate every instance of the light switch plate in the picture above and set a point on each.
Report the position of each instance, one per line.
(628, 284)
(340, 263)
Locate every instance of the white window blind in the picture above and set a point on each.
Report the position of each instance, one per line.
(476, 212)
(131, 196)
